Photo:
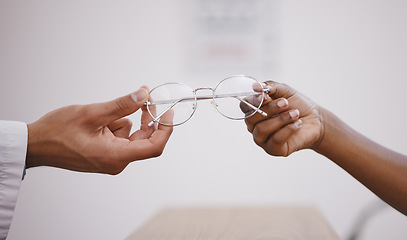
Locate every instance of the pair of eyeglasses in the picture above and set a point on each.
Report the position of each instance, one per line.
(237, 97)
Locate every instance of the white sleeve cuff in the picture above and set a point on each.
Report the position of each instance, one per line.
(13, 149)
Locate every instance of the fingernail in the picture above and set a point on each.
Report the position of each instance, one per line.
(282, 103)
(294, 113)
(139, 95)
(298, 123)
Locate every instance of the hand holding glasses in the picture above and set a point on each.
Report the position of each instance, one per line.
(237, 97)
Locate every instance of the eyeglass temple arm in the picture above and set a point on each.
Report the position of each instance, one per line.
(206, 97)
(264, 90)
(252, 107)
(161, 114)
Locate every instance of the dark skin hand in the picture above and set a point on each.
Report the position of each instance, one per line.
(295, 122)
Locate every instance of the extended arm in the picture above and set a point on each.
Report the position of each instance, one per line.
(295, 122)
(380, 169)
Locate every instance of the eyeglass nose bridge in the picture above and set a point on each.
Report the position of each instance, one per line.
(203, 88)
(203, 97)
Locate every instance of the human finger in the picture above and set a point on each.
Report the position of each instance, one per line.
(265, 129)
(272, 108)
(279, 90)
(147, 114)
(255, 100)
(249, 104)
(168, 118)
(264, 85)
(145, 131)
(277, 144)
(121, 127)
(107, 112)
(160, 136)
(152, 147)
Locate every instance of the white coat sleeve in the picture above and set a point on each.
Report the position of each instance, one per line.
(13, 149)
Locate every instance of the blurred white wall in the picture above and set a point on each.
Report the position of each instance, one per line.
(349, 56)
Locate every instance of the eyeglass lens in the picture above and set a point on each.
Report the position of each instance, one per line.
(176, 96)
(235, 98)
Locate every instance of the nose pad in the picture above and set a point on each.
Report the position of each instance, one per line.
(214, 103)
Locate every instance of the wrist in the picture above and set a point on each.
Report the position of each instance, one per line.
(335, 137)
(30, 160)
(36, 147)
(329, 124)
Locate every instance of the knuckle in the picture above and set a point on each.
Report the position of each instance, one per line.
(87, 112)
(284, 153)
(260, 131)
(157, 152)
(84, 109)
(111, 166)
(114, 172)
(271, 149)
(74, 107)
(281, 118)
(258, 136)
(121, 105)
(285, 86)
(114, 169)
(257, 141)
(284, 118)
(66, 114)
(274, 150)
(105, 161)
(275, 141)
(249, 125)
(272, 108)
(287, 90)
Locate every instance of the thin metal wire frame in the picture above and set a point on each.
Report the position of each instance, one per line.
(207, 97)
(187, 99)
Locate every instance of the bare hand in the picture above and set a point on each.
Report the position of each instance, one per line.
(294, 122)
(96, 137)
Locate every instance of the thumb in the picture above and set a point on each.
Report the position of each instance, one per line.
(122, 106)
(279, 90)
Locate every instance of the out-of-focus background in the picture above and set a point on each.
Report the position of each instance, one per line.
(349, 56)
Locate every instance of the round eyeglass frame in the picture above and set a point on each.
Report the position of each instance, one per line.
(213, 97)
